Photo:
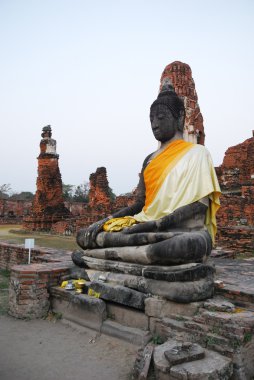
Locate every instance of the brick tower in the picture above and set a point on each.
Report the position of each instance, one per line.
(48, 205)
(179, 74)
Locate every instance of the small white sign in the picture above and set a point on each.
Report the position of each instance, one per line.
(29, 243)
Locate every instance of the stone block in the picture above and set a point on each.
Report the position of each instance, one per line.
(212, 366)
(142, 362)
(129, 334)
(152, 325)
(160, 308)
(112, 266)
(219, 304)
(127, 316)
(119, 294)
(183, 353)
(82, 309)
(185, 272)
(183, 292)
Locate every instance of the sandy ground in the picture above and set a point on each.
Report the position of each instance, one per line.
(44, 350)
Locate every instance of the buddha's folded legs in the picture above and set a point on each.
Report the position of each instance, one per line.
(118, 239)
(185, 248)
(180, 248)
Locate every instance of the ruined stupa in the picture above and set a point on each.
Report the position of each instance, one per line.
(48, 205)
(180, 75)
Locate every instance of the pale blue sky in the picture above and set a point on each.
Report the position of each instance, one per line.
(91, 69)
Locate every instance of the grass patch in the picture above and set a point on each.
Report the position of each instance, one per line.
(4, 286)
(247, 337)
(3, 304)
(4, 279)
(41, 239)
(157, 339)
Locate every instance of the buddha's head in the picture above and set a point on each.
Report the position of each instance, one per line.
(167, 114)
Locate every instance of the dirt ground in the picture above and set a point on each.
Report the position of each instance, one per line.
(42, 350)
(52, 350)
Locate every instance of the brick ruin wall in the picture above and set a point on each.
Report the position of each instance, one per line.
(13, 211)
(12, 254)
(29, 285)
(235, 218)
(101, 201)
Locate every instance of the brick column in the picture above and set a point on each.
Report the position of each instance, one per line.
(28, 291)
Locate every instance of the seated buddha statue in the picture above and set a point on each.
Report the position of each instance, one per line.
(173, 219)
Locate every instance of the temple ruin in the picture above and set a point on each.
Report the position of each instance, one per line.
(48, 204)
(236, 216)
(180, 75)
(50, 212)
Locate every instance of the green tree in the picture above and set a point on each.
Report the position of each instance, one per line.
(81, 193)
(5, 190)
(68, 192)
(112, 194)
(22, 196)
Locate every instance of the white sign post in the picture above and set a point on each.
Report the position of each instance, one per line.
(29, 244)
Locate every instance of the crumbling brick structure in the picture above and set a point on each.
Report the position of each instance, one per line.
(236, 216)
(48, 204)
(99, 193)
(13, 211)
(180, 75)
(101, 200)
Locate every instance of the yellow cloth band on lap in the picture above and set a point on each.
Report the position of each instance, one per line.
(117, 224)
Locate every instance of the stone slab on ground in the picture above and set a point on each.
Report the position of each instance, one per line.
(237, 278)
(82, 309)
(127, 316)
(129, 334)
(183, 353)
(142, 363)
(219, 304)
(212, 366)
(119, 294)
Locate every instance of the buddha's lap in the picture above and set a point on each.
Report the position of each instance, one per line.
(177, 240)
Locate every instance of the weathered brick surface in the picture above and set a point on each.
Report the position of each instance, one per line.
(99, 193)
(11, 254)
(100, 203)
(48, 204)
(235, 218)
(181, 77)
(13, 209)
(29, 285)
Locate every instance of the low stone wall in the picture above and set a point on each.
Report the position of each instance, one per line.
(29, 288)
(12, 254)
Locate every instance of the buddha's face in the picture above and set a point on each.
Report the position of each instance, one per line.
(164, 125)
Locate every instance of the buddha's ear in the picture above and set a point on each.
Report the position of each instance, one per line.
(181, 121)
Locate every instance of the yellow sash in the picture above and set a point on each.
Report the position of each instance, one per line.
(182, 174)
(157, 170)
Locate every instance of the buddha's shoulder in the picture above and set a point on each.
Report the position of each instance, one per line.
(200, 150)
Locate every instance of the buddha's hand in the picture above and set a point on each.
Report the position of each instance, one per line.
(86, 238)
(141, 227)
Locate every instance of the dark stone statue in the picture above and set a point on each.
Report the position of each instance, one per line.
(174, 215)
